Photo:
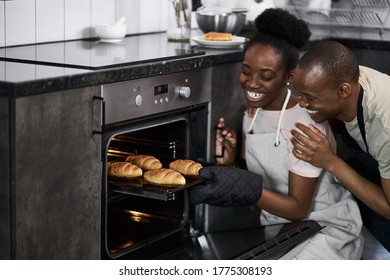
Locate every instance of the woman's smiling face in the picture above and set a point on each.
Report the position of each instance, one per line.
(263, 77)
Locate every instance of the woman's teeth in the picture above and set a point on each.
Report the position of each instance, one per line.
(311, 111)
(255, 95)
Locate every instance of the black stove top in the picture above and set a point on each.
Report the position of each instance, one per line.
(94, 54)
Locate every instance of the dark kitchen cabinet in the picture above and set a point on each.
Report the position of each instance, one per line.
(51, 176)
(227, 99)
(5, 213)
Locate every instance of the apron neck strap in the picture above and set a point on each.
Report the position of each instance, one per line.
(360, 117)
(277, 139)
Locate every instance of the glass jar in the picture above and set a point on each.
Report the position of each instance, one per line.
(179, 20)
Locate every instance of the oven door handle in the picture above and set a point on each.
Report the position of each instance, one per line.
(102, 116)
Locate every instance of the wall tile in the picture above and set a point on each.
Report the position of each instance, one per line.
(50, 20)
(152, 20)
(19, 22)
(130, 10)
(2, 24)
(102, 11)
(37, 21)
(77, 19)
(2, 70)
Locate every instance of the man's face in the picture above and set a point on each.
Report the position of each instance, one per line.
(318, 96)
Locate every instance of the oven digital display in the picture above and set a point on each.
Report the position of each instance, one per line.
(161, 89)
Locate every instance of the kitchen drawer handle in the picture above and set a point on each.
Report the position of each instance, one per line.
(102, 114)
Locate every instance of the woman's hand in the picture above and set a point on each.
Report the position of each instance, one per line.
(225, 144)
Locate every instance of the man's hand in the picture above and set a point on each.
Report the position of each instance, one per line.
(312, 146)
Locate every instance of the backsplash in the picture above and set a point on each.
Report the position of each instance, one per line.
(36, 21)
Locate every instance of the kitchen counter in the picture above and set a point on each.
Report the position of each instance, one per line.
(136, 57)
(68, 65)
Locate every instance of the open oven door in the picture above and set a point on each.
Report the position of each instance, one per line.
(268, 242)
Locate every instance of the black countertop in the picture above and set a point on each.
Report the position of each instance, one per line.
(89, 63)
(49, 70)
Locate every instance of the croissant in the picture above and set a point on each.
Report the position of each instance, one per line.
(164, 177)
(145, 162)
(123, 170)
(218, 36)
(187, 167)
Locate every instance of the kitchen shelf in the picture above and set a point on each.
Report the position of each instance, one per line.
(361, 13)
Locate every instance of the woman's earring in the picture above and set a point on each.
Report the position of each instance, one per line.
(288, 83)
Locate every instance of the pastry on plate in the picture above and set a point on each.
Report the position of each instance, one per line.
(218, 36)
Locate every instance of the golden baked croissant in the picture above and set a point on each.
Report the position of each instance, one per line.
(145, 162)
(218, 36)
(164, 177)
(123, 170)
(187, 167)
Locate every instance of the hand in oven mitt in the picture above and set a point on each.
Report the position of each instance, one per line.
(227, 186)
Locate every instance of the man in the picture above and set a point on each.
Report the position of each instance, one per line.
(333, 86)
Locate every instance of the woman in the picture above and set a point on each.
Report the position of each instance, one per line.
(292, 189)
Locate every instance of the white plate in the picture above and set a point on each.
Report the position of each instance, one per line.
(235, 42)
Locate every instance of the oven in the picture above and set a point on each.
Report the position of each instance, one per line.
(165, 116)
(168, 116)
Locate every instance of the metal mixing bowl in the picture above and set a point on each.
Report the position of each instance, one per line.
(230, 23)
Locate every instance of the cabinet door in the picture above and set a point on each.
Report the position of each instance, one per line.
(5, 197)
(57, 184)
(227, 100)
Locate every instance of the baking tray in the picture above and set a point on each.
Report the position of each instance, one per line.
(139, 187)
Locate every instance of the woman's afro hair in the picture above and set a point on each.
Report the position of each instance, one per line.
(283, 25)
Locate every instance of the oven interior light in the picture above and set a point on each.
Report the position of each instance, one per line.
(138, 216)
(122, 246)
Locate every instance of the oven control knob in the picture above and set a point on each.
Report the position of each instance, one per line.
(184, 91)
(138, 100)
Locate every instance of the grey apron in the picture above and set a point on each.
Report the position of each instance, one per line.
(332, 205)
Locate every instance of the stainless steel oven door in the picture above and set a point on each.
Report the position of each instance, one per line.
(137, 215)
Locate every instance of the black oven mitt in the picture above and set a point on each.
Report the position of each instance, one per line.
(227, 186)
